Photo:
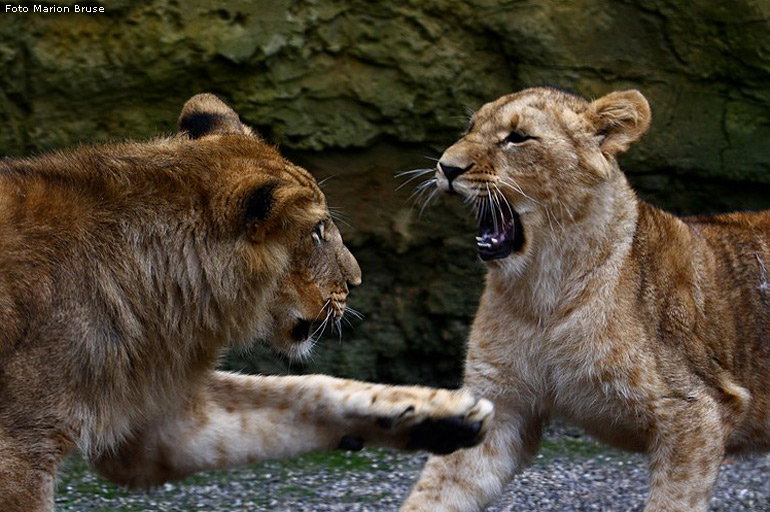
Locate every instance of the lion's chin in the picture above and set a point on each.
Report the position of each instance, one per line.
(295, 351)
(295, 341)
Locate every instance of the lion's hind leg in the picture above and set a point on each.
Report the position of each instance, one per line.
(685, 454)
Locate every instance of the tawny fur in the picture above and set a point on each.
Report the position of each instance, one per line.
(126, 268)
(650, 331)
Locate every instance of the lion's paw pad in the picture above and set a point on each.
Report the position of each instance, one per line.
(448, 434)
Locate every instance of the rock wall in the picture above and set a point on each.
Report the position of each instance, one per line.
(361, 90)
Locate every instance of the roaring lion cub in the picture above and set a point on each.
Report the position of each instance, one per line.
(650, 331)
(126, 268)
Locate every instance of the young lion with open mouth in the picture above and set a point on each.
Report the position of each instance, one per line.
(650, 331)
(124, 271)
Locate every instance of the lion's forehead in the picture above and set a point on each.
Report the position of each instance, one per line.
(295, 175)
(528, 110)
(276, 168)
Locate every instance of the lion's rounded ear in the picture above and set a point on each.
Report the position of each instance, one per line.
(260, 202)
(205, 114)
(258, 207)
(620, 118)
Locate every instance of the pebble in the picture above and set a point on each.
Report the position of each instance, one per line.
(606, 482)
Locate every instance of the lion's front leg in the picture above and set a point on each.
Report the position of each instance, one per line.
(468, 480)
(30, 452)
(24, 487)
(405, 417)
(237, 419)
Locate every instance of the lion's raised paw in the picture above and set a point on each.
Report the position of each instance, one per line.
(443, 424)
(448, 434)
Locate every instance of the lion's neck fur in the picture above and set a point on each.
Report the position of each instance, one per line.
(117, 344)
(197, 289)
(570, 256)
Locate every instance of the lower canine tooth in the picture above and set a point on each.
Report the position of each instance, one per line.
(485, 245)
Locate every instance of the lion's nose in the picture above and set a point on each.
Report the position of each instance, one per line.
(451, 172)
(352, 270)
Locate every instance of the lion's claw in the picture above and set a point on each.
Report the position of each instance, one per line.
(444, 436)
(437, 421)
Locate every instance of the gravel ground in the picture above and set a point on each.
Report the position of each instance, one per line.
(572, 473)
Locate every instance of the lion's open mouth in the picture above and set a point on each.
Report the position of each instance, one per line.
(303, 330)
(500, 233)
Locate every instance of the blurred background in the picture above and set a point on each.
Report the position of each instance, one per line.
(361, 90)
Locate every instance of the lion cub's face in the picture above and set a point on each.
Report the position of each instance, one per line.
(290, 241)
(315, 291)
(311, 295)
(530, 161)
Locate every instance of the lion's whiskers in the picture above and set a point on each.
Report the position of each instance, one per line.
(515, 186)
(419, 194)
(354, 313)
(429, 199)
(565, 209)
(326, 304)
(319, 331)
(493, 209)
(337, 218)
(505, 199)
(413, 175)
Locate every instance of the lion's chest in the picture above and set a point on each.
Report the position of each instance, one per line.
(580, 367)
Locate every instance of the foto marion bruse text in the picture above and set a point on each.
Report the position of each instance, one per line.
(54, 9)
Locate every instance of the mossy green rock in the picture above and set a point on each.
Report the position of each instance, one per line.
(361, 89)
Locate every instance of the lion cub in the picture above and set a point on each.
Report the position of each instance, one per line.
(650, 331)
(124, 271)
